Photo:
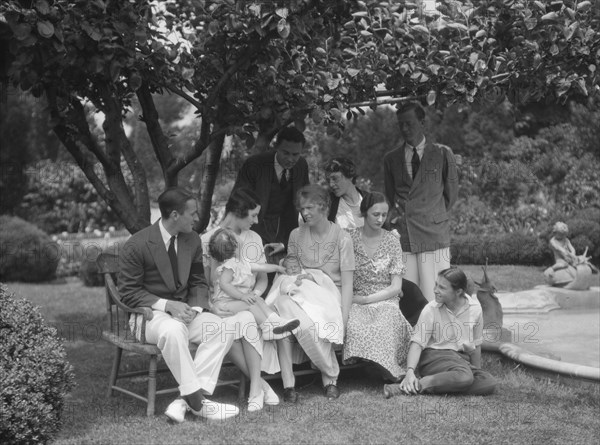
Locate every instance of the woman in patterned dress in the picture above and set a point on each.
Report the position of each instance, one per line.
(377, 331)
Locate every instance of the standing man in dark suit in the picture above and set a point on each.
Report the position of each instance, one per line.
(161, 268)
(276, 176)
(421, 184)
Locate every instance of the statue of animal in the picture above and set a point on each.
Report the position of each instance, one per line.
(491, 307)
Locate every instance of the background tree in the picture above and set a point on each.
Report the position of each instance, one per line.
(249, 68)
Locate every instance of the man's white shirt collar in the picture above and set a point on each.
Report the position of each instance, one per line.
(420, 147)
(166, 236)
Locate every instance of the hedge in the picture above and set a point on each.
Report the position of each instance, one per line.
(26, 253)
(35, 375)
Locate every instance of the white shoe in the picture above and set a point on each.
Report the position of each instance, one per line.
(215, 411)
(270, 397)
(256, 403)
(176, 410)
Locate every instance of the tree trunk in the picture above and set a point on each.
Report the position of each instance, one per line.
(209, 179)
(72, 129)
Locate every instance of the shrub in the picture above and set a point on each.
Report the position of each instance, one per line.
(26, 253)
(60, 198)
(88, 271)
(502, 248)
(35, 374)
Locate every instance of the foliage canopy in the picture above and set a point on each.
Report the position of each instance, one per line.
(251, 67)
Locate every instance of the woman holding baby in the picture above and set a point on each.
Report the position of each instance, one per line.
(324, 247)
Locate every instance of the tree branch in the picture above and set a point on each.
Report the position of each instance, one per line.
(184, 95)
(77, 140)
(160, 142)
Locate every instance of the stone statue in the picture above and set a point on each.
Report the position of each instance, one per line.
(570, 270)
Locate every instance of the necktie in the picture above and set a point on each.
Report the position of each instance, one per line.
(173, 257)
(284, 180)
(415, 162)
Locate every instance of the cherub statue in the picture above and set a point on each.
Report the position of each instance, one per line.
(569, 270)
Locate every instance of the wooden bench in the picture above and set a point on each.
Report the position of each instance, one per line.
(119, 334)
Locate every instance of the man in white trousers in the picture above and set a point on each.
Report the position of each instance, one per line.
(161, 267)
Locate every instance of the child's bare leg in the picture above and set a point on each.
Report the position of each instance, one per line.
(253, 360)
(239, 306)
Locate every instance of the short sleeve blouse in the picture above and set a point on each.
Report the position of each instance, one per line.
(333, 255)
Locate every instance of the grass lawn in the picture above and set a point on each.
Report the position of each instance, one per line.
(527, 408)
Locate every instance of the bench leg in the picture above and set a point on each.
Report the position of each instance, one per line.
(114, 373)
(151, 385)
(242, 386)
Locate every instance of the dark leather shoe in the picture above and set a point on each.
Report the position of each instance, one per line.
(332, 391)
(290, 395)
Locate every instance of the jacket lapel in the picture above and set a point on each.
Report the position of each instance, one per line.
(161, 258)
(428, 152)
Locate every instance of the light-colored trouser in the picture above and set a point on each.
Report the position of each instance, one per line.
(214, 336)
(422, 268)
(320, 352)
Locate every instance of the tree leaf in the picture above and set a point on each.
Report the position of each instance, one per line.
(570, 30)
(473, 58)
(550, 16)
(420, 28)
(352, 72)
(431, 97)
(317, 116)
(45, 29)
(282, 12)
(92, 32)
(335, 114)
(283, 28)
(584, 5)
(459, 26)
(42, 6)
(530, 23)
(213, 27)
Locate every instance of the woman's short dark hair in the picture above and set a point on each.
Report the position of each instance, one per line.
(241, 201)
(408, 106)
(456, 277)
(343, 165)
(291, 134)
(369, 200)
(222, 245)
(173, 198)
(316, 194)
